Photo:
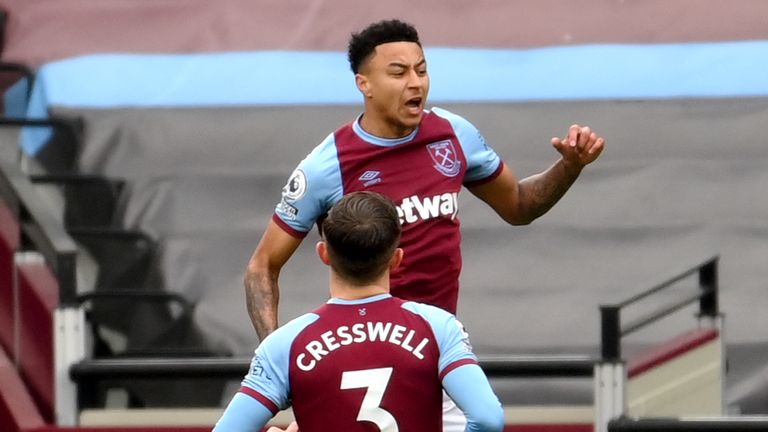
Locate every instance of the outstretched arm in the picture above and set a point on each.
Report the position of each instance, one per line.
(262, 292)
(521, 202)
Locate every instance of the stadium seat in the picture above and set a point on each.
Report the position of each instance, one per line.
(124, 257)
(149, 324)
(153, 324)
(89, 200)
(60, 153)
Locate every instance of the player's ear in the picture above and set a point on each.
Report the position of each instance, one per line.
(322, 251)
(363, 84)
(396, 259)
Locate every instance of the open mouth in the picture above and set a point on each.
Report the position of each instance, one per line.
(414, 104)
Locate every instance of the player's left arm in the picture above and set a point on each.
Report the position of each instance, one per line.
(468, 386)
(521, 202)
(462, 378)
(460, 375)
(243, 414)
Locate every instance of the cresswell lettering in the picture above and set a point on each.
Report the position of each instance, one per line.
(343, 336)
(415, 208)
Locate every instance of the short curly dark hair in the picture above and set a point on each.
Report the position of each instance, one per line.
(361, 45)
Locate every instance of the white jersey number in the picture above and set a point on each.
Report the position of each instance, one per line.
(375, 380)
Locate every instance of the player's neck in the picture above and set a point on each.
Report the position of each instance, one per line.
(379, 127)
(343, 289)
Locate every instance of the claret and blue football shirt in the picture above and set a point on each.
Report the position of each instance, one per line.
(378, 363)
(422, 173)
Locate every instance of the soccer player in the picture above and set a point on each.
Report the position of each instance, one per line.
(420, 158)
(365, 358)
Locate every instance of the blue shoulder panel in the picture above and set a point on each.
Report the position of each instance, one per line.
(482, 160)
(313, 187)
(452, 340)
(268, 373)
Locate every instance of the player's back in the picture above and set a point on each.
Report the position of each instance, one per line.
(366, 367)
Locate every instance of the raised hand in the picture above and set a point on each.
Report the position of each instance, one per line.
(580, 147)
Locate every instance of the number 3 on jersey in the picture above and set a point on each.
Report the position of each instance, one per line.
(375, 380)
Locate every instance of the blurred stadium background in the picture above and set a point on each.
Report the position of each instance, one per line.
(145, 143)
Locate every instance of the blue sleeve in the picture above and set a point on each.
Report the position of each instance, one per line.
(468, 386)
(313, 187)
(452, 340)
(482, 160)
(243, 414)
(267, 378)
(462, 378)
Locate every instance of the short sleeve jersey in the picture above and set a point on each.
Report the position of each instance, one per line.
(375, 364)
(422, 173)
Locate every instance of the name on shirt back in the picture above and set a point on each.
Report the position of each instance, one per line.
(342, 336)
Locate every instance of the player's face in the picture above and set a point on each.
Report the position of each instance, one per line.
(395, 83)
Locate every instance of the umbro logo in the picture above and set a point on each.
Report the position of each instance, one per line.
(370, 178)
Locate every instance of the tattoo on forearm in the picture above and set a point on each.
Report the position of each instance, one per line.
(542, 191)
(261, 300)
(540, 194)
(546, 192)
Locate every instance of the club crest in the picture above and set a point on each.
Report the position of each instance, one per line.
(445, 158)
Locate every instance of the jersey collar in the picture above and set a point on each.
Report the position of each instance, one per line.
(373, 139)
(334, 300)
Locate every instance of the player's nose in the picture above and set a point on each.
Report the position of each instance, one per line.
(414, 79)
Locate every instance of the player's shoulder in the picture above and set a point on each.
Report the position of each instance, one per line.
(288, 331)
(463, 128)
(452, 117)
(322, 152)
(299, 323)
(432, 314)
(319, 167)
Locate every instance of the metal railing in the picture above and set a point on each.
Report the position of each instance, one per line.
(41, 231)
(236, 367)
(612, 329)
(89, 371)
(715, 424)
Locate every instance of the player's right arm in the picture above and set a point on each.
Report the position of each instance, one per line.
(311, 190)
(243, 414)
(262, 293)
(265, 390)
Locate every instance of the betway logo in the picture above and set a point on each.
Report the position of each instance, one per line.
(415, 208)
